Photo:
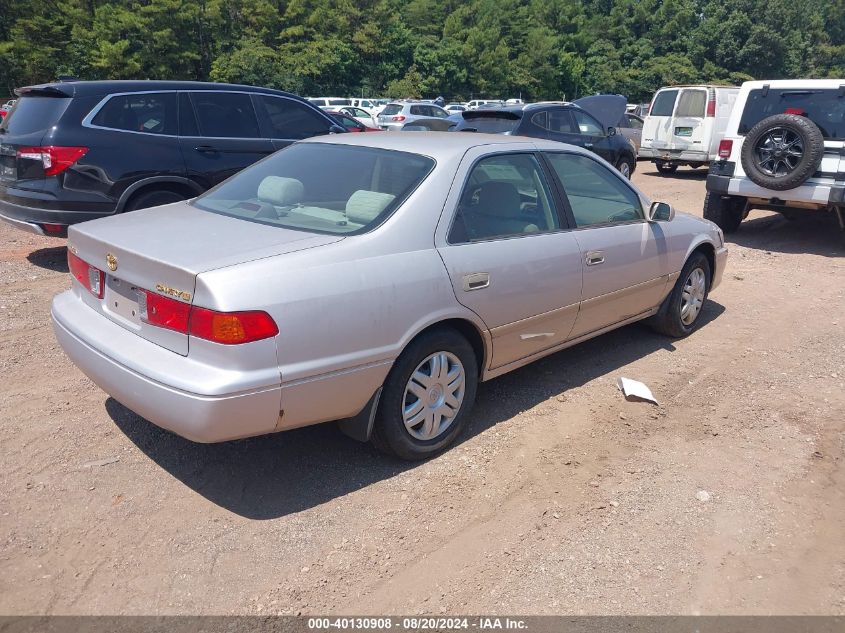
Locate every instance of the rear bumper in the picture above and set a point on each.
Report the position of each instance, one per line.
(95, 344)
(821, 195)
(673, 155)
(33, 219)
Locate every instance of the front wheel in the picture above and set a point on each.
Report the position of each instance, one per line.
(680, 312)
(625, 167)
(665, 168)
(427, 396)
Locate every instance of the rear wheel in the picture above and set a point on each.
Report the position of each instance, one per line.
(724, 212)
(153, 198)
(625, 167)
(680, 312)
(427, 396)
(665, 168)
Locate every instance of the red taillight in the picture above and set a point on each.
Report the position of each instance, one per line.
(91, 278)
(725, 147)
(228, 328)
(231, 328)
(711, 107)
(54, 228)
(797, 111)
(163, 311)
(53, 158)
(399, 117)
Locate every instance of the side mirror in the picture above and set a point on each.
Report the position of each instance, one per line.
(661, 212)
(611, 131)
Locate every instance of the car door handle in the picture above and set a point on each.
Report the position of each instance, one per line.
(476, 281)
(594, 258)
(206, 149)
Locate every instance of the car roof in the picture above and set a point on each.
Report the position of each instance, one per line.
(97, 88)
(794, 83)
(438, 144)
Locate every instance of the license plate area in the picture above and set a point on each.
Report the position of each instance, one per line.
(121, 300)
(683, 131)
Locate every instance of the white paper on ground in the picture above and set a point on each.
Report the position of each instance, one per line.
(634, 389)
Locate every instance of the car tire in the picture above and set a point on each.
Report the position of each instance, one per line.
(725, 212)
(153, 198)
(432, 434)
(626, 167)
(665, 168)
(782, 151)
(680, 313)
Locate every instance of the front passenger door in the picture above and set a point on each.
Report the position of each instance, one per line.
(624, 257)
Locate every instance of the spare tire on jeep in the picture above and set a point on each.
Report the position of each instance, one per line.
(782, 151)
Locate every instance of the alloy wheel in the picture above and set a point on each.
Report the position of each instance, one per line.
(779, 152)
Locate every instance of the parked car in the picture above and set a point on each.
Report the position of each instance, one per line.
(71, 152)
(591, 128)
(351, 124)
(472, 105)
(400, 113)
(374, 279)
(684, 125)
(330, 102)
(361, 115)
(783, 150)
(6, 108)
(370, 105)
(631, 127)
(452, 108)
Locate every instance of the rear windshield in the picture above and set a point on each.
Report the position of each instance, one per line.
(489, 124)
(692, 103)
(825, 108)
(393, 108)
(664, 103)
(322, 188)
(32, 114)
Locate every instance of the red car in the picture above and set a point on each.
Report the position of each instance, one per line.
(349, 123)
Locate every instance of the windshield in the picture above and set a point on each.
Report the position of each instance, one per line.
(825, 108)
(334, 189)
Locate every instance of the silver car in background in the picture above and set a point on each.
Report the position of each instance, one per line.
(397, 115)
(373, 279)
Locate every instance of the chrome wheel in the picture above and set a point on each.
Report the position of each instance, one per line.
(625, 170)
(779, 152)
(433, 395)
(692, 296)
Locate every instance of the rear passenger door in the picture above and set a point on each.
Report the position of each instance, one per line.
(219, 134)
(624, 258)
(509, 259)
(286, 121)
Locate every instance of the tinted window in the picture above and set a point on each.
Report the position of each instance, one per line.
(596, 193)
(417, 110)
(560, 121)
(587, 125)
(494, 123)
(393, 108)
(503, 195)
(31, 114)
(187, 120)
(634, 122)
(290, 119)
(664, 103)
(338, 102)
(438, 113)
(348, 122)
(225, 115)
(320, 187)
(825, 108)
(151, 113)
(692, 103)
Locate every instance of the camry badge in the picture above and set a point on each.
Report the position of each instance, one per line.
(111, 261)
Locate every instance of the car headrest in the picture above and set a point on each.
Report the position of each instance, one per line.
(280, 191)
(363, 206)
(498, 199)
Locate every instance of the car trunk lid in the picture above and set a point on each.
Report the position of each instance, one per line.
(162, 250)
(608, 109)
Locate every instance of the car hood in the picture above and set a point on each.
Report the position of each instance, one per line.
(608, 109)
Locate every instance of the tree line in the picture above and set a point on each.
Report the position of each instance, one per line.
(536, 49)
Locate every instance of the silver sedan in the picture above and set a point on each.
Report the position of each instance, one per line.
(375, 280)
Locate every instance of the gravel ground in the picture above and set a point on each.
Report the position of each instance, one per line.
(562, 498)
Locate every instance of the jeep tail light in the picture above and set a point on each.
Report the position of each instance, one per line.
(53, 158)
(91, 278)
(725, 147)
(227, 328)
(798, 111)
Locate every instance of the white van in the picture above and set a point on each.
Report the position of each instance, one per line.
(684, 125)
(330, 102)
(475, 103)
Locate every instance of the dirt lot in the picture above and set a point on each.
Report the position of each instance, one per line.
(561, 498)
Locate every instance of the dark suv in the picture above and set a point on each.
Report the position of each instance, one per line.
(71, 152)
(590, 122)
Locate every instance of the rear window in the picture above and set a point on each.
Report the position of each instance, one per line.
(393, 108)
(488, 124)
(32, 114)
(692, 103)
(825, 108)
(321, 188)
(664, 103)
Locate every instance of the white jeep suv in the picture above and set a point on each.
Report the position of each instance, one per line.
(783, 150)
